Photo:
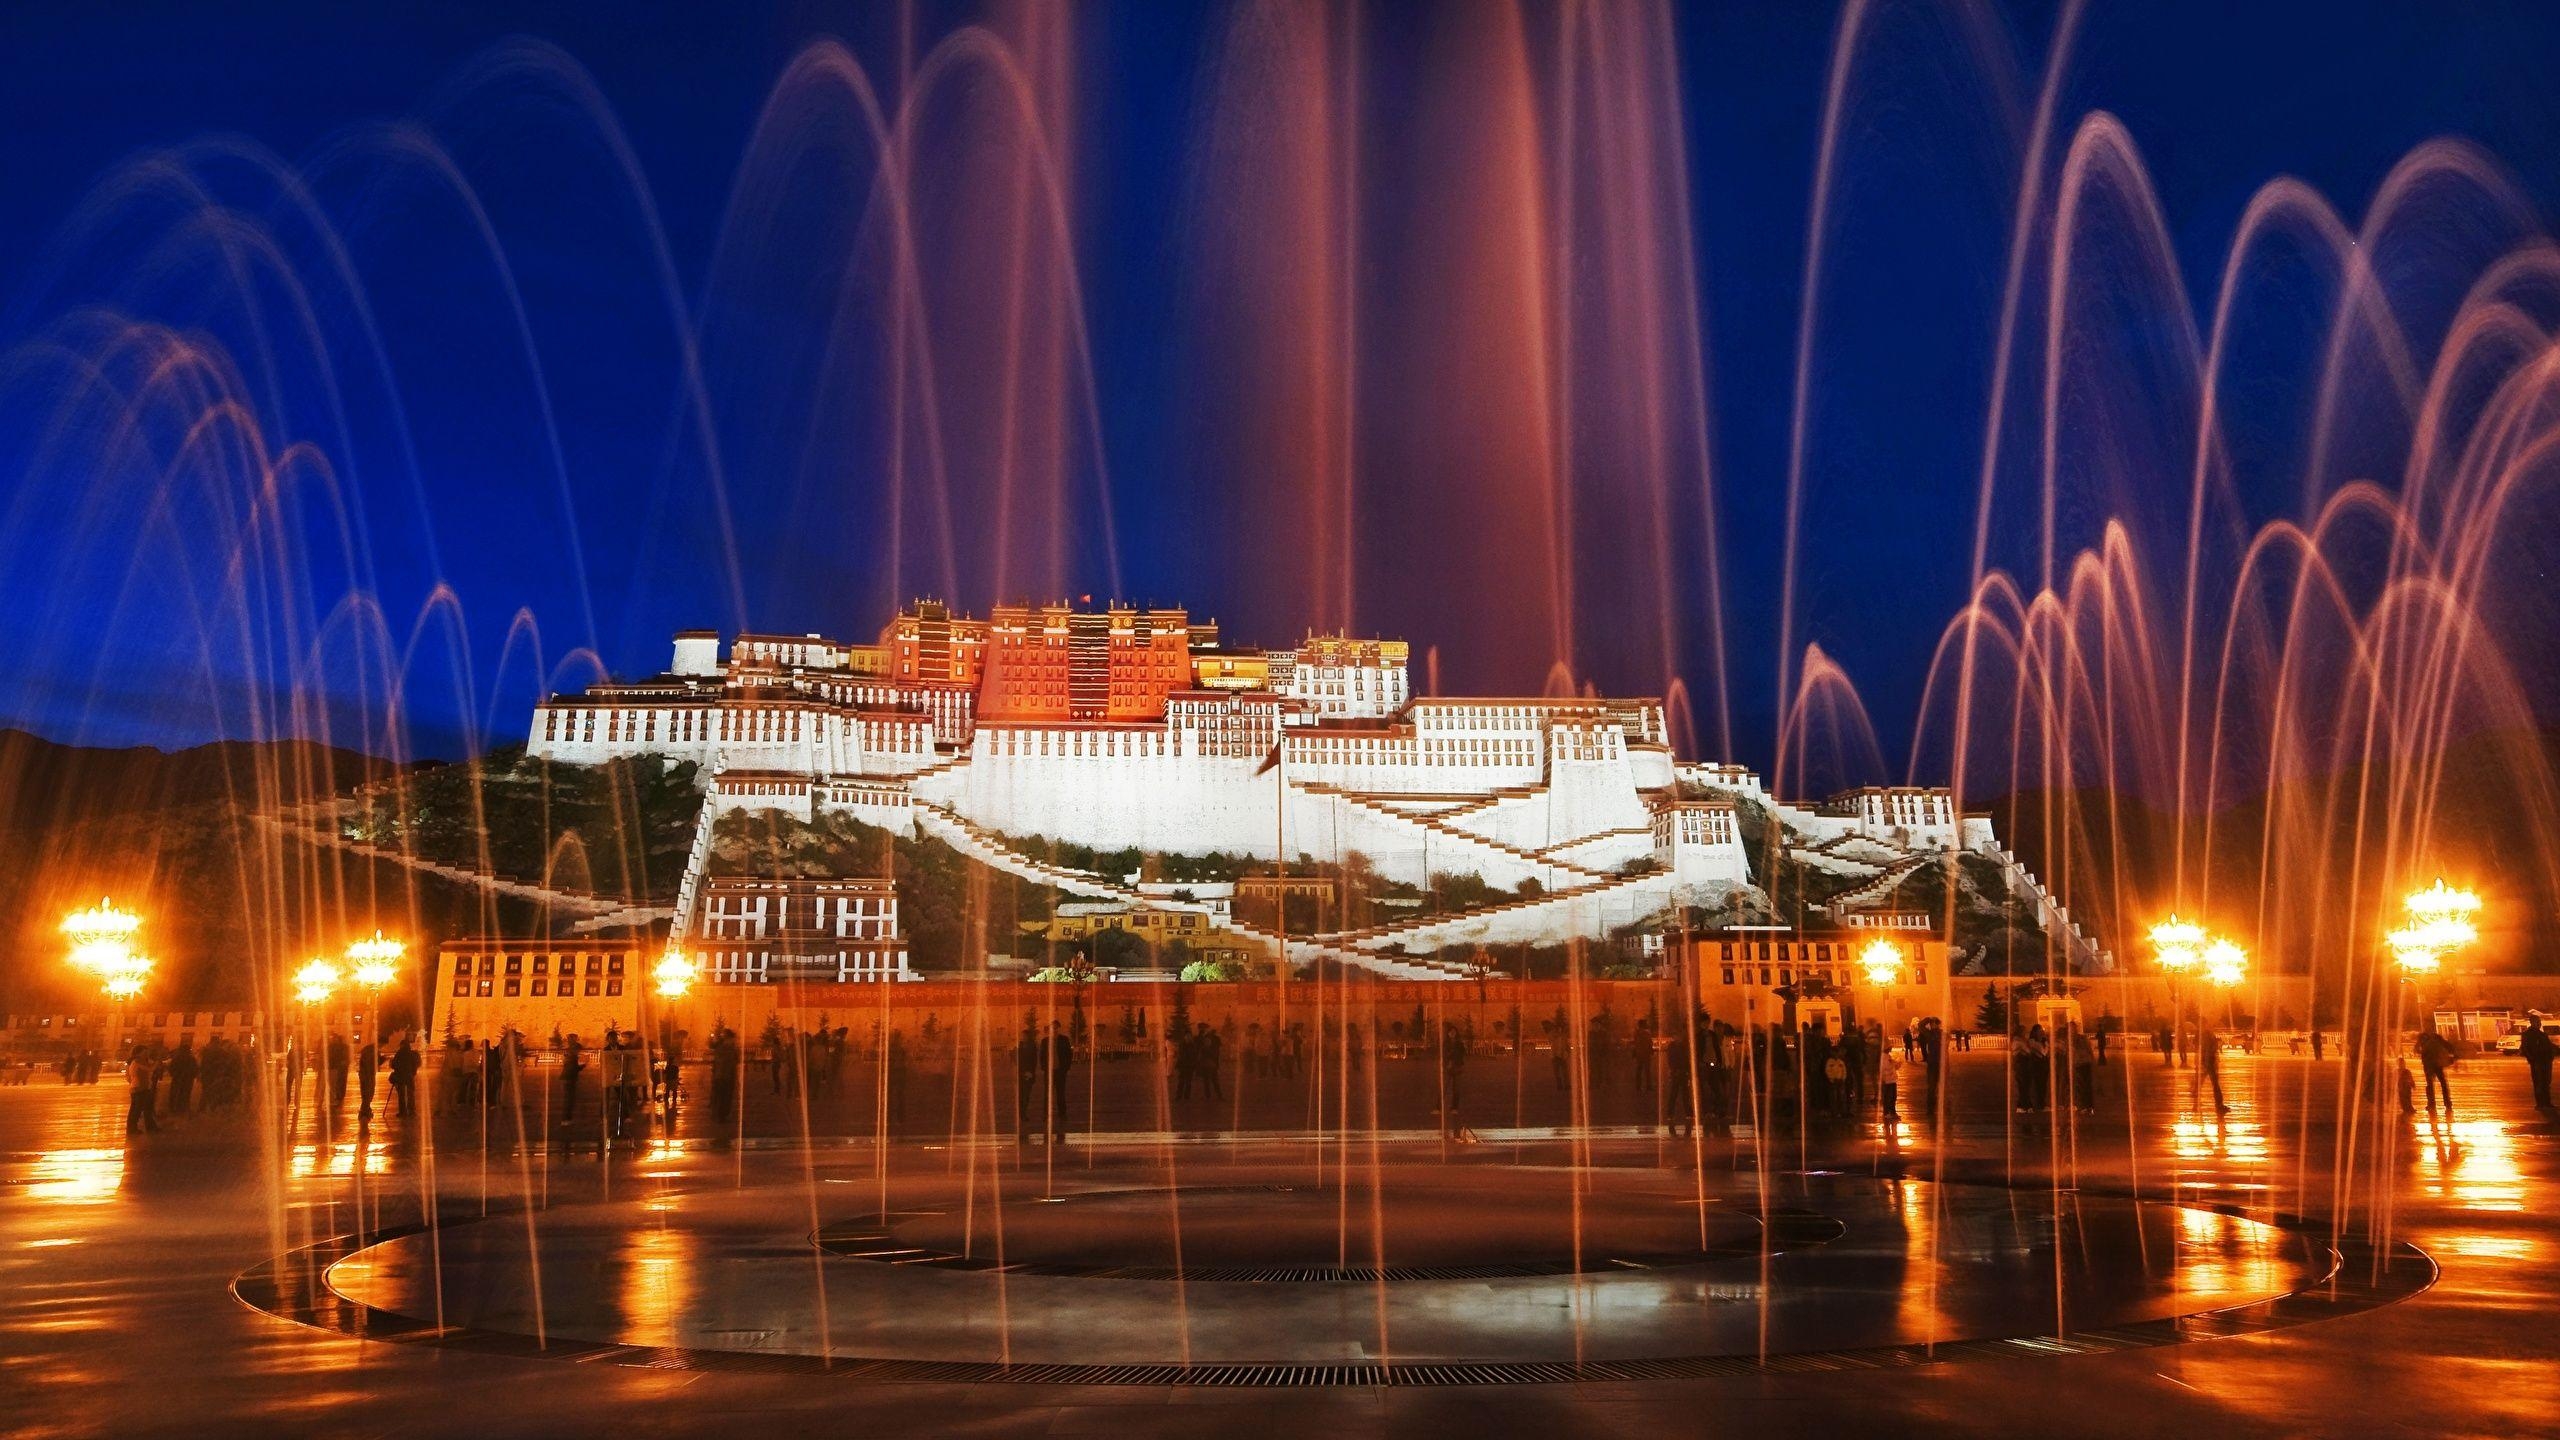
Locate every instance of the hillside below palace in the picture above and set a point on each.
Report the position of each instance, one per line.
(1141, 728)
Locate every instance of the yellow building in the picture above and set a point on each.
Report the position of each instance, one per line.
(1739, 970)
(1078, 921)
(576, 986)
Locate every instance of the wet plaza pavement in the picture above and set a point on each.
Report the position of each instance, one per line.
(2158, 1269)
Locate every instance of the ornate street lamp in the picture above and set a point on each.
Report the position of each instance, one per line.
(2225, 963)
(2177, 945)
(315, 982)
(1882, 961)
(375, 963)
(675, 973)
(101, 940)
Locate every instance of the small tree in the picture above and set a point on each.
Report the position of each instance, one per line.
(1993, 1013)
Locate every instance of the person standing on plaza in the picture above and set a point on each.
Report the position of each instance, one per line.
(337, 1060)
(725, 1062)
(895, 1076)
(2084, 1070)
(1213, 1063)
(405, 1063)
(573, 1065)
(142, 1082)
(1453, 1074)
(368, 1066)
(1186, 1062)
(1681, 1082)
(294, 1061)
(1062, 1063)
(1889, 1084)
(1640, 1055)
(2209, 1066)
(2435, 1059)
(182, 1075)
(674, 1062)
(1027, 1063)
(2536, 1048)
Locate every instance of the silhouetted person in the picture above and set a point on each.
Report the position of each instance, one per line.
(671, 1094)
(573, 1065)
(1213, 1063)
(142, 1083)
(2084, 1071)
(1640, 1054)
(1681, 1083)
(2435, 1058)
(2209, 1065)
(894, 1075)
(1026, 1079)
(2536, 1048)
(725, 1062)
(1062, 1061)
(1453, 1074)
(337, 1061)
(405, 1063)
(368, 1065)
(1186, 1064)
(182, 1075)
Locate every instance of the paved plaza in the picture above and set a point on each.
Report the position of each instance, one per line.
(2152, 1268)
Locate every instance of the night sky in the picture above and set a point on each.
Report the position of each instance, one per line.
(118, 604)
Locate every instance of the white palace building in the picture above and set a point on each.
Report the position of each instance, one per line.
(1138, 728)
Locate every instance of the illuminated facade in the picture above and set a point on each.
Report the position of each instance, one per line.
(1139, 728)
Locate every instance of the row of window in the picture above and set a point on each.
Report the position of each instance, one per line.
(465, 986)
(596, 964)
(1786, 974)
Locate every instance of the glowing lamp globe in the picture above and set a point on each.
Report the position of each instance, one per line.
(376, 962)
(675, 974)
(100, 923)
(124, 978)
(2177, 943)
(2414, 950)
(2225, 963)
(313, 982)
(100, 957)
(1882, 961)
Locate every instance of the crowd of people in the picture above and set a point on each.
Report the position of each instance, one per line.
(1707, 1071)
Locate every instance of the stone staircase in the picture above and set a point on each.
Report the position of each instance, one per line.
(595, 912)
(2086, 955)
(1884, 883)
(991, 850)
(1467, 843)
(1445, 929)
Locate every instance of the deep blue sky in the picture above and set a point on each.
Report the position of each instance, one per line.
(2220, 97)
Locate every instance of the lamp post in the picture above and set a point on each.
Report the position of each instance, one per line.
(1882, 961)
(374, 963)
(101, 939)
(2176, 945)
(2440, 923)
(313, 984)
(2225, 966)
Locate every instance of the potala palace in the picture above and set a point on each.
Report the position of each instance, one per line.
(1131, 727)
